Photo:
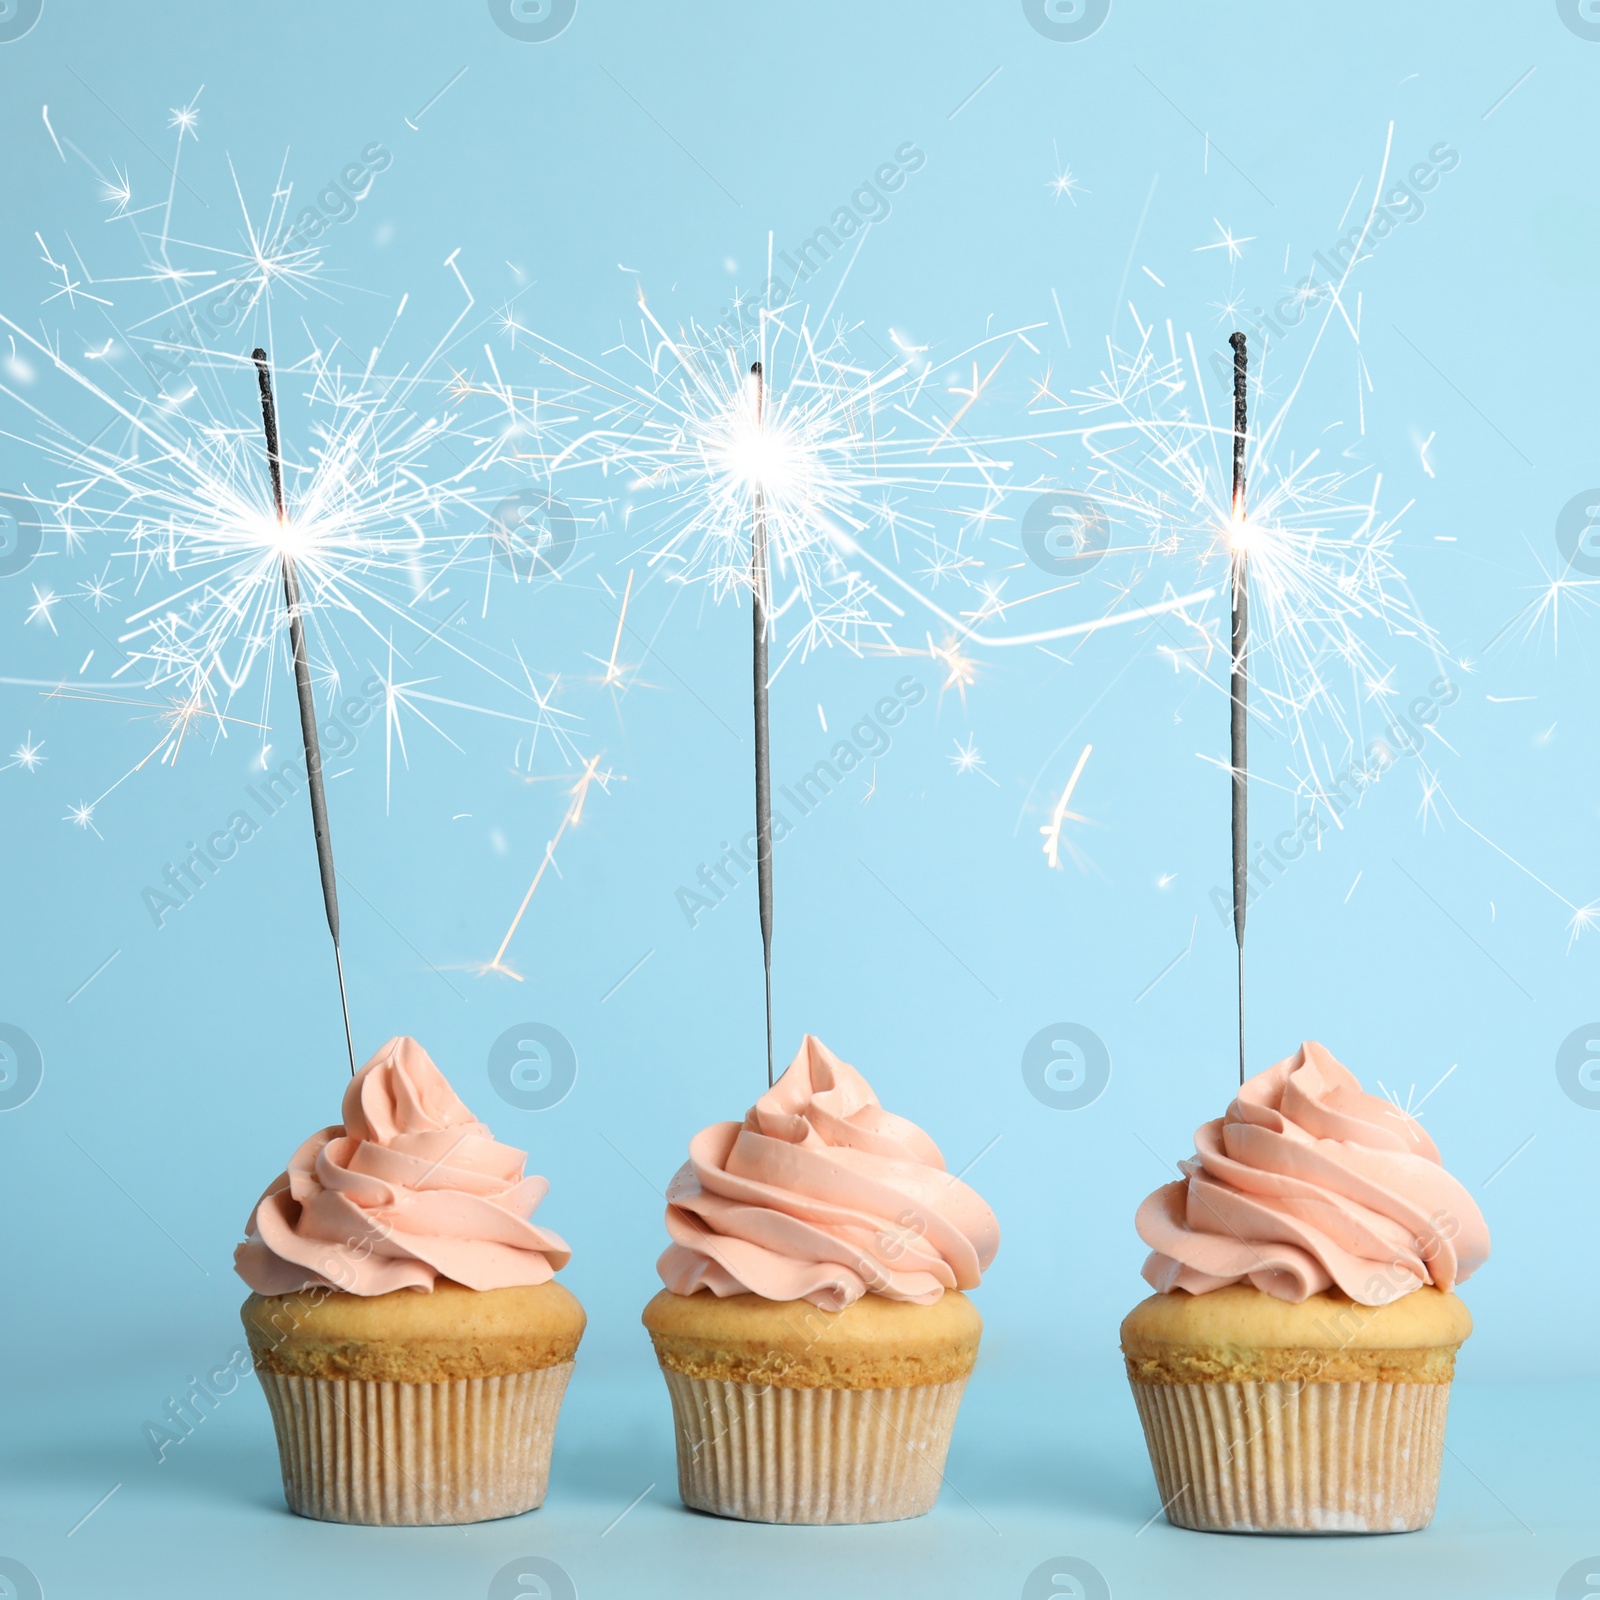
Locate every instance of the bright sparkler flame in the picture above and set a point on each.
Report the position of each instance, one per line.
(761, 452)
(293, 537)
(825, 444)
(157, 451)
(845, 455)
(1324, 583)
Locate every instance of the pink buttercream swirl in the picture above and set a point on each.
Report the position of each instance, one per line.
(412, 1188)
(1310, 1183)
(822, 1195)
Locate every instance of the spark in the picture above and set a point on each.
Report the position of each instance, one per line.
(186, 118)
(1582, 919)
(98, 589)
(969, 397)
(82, 816)
(45, 112)
(1377, 687)
(390, 467)
(507, 323)
(1407, 1108)
(966, 760)
(961, 670)
(570, 819)
(177, 714)
(1560, 590)
(1064, 185)
(402, 698)
(1228, 241)
(1427, 806)
(117, 192)
(1166, 880)
(70, 288)
(1052, 829)
(1324, 579)
(44, 603)
(27, 755)
(614, 674)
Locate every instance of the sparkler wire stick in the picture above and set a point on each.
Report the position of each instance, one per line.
(302, 684)
(760, 589)
(1240, 687)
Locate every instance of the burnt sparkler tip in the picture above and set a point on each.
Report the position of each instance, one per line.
(258, 355)
(755, 369)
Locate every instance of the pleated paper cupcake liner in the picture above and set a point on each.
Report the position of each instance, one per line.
(765, 1454)
(1296, 1457)
(393, 1454)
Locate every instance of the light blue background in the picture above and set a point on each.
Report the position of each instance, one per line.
(177, 1083)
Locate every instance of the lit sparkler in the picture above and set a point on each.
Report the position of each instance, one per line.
(302, 687)
(1323, 581)
(1327, 596)
(801, 468)
(761, 620)
(833, 448)
(390, 493)
(1238, 725)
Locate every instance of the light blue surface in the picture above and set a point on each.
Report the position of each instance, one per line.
(921, 935)
(1035, 1473)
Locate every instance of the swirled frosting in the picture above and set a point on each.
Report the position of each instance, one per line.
(412, 1188)
(822, 1195)
(1309, 1183)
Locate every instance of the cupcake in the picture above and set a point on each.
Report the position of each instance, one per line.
(1293, 1369)
(405, 1325)
(813, 1333)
